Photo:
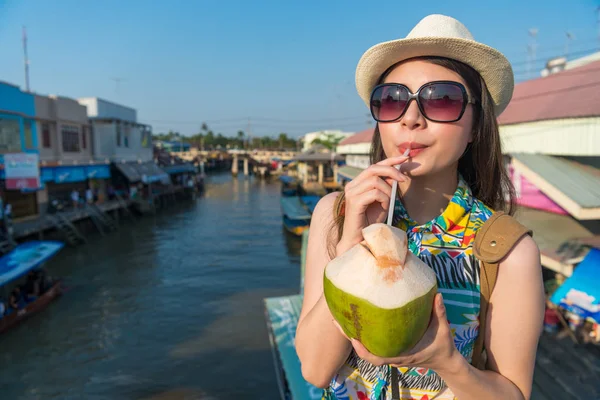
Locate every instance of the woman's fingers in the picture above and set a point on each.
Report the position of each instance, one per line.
(373, 182)
(381, 171)
(375, 195)
(393, 160)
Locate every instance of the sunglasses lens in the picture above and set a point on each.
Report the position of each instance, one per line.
(388, 102)
(442, 101)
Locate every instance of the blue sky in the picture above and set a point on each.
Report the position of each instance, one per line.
(287, 65)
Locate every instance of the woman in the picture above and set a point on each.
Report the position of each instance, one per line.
(451, 180)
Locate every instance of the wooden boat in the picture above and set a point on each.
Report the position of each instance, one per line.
(310, 201)
(15, 318)
(282, 314)
(16, 264)
(296, 217)
(289, 186)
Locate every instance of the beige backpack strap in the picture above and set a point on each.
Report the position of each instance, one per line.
(494, 240)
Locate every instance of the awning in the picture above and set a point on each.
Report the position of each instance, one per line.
(179, 168)
(79, 173)
(551, 232)
(349, 172)
(574, 187)
(580, 293)
(26, 257)
(147, 172)
(318, 157)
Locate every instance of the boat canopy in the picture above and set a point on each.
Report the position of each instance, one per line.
(293, 208)
(580, 293)
(26, 257)
(287, 179)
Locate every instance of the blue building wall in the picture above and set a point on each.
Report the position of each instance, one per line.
(20, 106)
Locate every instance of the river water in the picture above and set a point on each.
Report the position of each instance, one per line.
(167, 307)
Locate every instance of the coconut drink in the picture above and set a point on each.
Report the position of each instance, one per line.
(380, 293)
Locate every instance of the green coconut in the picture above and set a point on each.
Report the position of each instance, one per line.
(380, 293)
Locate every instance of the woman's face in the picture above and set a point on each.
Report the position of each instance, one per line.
(435, 146)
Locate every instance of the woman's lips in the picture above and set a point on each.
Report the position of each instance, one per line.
(414, 152)
(414, 149)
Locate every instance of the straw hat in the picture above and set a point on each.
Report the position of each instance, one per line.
(438, 35)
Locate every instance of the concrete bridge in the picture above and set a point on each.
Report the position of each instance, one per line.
(258, 160)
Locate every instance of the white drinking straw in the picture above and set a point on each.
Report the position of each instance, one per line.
(394, 190)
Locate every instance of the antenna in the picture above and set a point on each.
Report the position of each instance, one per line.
(26, 59)
(531, 51)
(117, 82)
(598, 23)
(570, 37)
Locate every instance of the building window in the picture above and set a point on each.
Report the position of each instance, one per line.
(126, 138)
(46, 142)
(70, 138)
(10, 140)
(118, 134)
(27, 125)
(84, 132)
(146, 138)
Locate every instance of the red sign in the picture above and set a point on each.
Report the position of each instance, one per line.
(22, 171)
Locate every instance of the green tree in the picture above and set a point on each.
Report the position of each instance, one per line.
(330, 141)
(240, 136)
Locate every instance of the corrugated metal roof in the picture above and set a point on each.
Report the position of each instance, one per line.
(318, 157)
(349, 172)
(550, 230)
(361, 137)
(567, 94)
(580, 183)
(134, 172)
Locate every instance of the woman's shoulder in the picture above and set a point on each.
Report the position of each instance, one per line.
(326, 205)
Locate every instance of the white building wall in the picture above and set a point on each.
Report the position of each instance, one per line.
(355, 148)
(309, 137)
(570, 136)
(358, 161)
(106, 147)
(104, 134)
(98, 108)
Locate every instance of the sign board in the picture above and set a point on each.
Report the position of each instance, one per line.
(22, 171)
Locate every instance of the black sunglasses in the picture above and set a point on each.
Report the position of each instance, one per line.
(439, 101)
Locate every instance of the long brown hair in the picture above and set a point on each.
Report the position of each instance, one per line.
(481, 165)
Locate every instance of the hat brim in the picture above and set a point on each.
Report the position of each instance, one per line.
(493, 67)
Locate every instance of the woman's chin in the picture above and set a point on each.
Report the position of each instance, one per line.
(413, 168)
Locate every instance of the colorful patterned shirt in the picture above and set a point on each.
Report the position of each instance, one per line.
(445, 244)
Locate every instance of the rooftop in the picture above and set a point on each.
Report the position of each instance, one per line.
(360, 137)
(573, 186)
(568, 94)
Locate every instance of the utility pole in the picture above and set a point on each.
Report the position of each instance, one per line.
(531, 52)
(117, 82)
(249, 133)
(26, 59)
(598, 23)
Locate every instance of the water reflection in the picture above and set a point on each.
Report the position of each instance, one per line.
(167, 307)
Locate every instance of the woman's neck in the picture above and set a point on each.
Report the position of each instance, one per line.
(426, 197)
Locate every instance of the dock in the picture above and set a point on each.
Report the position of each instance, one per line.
(563, 368)
(41, 223)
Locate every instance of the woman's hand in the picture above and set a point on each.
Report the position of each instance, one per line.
(435, 350)
(368, 194)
